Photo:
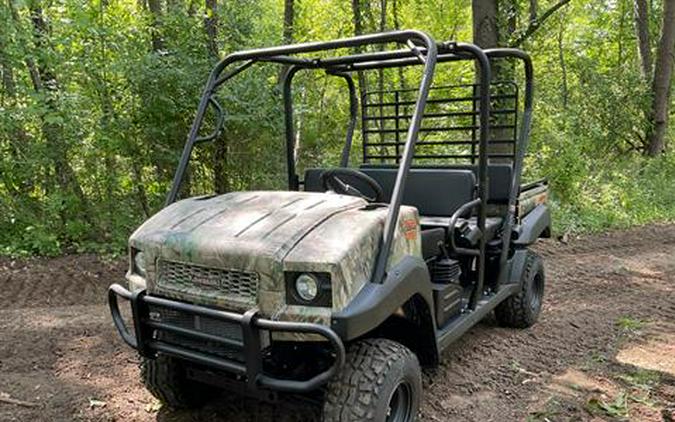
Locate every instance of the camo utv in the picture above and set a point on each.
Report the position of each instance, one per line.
(343, 286)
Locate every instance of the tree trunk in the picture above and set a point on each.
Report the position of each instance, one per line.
(139, 188)
(486, 34)
(494, 25)
(155, 7)
(663, 71)
(641, 14)
(220, 177)
(533, 10)
(287, 32)
(563, 65)
(211, 28)
(358, 30)
(485, 25)
(397, 26)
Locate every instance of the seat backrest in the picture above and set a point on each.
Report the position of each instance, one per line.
(499, 177)
(499, 180)
(434, 192)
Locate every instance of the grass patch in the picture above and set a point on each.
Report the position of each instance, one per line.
(642, 379)
(618, 408)
(628, 323)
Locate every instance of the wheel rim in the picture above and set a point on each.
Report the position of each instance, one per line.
(400, 404)
(537, 292)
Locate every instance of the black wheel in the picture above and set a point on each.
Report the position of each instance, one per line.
(381, 381)
(165, 378)
(522, 310)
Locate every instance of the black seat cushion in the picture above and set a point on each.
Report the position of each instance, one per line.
(433, 191)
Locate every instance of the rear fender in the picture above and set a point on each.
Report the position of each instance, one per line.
(536, 224)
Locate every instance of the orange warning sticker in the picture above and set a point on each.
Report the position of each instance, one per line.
(409, 227)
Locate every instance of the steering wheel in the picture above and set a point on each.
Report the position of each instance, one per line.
(330, 180)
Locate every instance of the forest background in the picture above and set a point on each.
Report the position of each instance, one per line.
(97, 97)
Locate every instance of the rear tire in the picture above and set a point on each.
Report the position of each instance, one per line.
(381, 381)
(522, 309)
(165, 378)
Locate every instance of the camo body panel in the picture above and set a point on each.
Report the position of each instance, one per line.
(528, 200)
(269, 233)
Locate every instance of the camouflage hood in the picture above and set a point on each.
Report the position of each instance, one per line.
(248, 240)
(246, 224)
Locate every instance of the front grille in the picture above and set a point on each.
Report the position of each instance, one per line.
(236, 284)
(203, 324)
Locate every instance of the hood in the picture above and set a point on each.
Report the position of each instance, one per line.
(244, 224)
(249, 240)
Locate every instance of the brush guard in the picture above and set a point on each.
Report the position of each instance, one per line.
(146, 340)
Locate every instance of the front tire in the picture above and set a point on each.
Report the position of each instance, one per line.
(522, 309)
(381, 381)
(165, 378)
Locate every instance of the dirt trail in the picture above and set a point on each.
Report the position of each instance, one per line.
(603, 349)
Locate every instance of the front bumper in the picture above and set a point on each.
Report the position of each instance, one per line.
(147, 340)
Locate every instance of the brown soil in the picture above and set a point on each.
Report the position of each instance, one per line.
(603, 349)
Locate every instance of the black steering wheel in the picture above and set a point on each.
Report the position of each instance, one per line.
(330, 180)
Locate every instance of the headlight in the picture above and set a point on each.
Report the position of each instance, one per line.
(139, 263)
(307, 287)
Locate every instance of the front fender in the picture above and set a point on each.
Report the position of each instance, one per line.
(376, 302)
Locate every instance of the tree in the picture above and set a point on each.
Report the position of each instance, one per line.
(357, 20)
(287, 30)
(661, 82)
(155, 7)
(495, 24)
(641, 9)
(211, 28)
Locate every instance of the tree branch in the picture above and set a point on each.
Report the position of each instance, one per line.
(534, 25)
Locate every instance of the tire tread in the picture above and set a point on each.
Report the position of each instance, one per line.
(355, 393)
(164, 378)
(515, 312)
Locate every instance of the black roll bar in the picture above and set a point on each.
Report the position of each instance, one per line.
(293, 182)
(278, 55)
(523, 140)
(287, 83)
(353, 117)
(422, 50)
(406, 159)
(485, 76)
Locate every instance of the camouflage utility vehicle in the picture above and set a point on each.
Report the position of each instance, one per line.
(343, 286)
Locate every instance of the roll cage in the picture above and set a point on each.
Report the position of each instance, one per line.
(420, 50)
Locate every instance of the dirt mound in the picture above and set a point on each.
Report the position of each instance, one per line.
(63, 281)
(595, 354)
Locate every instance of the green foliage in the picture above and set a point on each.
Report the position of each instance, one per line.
(118, 112)
(618, 408)
(628, 323)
